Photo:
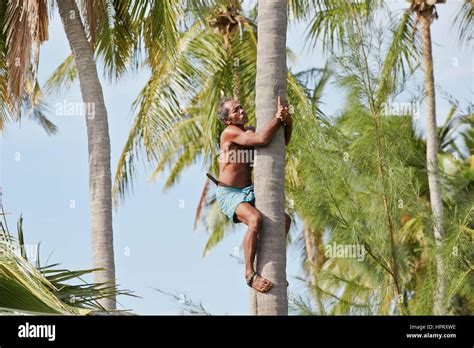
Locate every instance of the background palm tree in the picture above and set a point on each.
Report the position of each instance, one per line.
(26, 25)
(100, 182)
(426, 12)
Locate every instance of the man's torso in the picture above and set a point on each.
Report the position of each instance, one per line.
(235, 162)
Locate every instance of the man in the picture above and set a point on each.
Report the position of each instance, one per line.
(235, 191)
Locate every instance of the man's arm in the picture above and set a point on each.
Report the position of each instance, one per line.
(288, 131)
(288, 122)
(250, 138)
(284, 115)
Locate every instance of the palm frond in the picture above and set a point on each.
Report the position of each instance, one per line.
(5, 101)
(201, 61)
(217, 224)
(62, 77)
(158, 108)
(299, 9)
(201, 203)
(188, 306)
(117, 44)
(463, 23)
(332, 18)
(402, 54)
(93, 12)
(37, 108)
(26, 27)
(45, 290)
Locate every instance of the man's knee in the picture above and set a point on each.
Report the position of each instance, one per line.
(255, 221)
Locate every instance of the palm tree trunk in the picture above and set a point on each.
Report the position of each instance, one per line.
(314, 262)
(270, 160)
(432, 160)
(98, 146)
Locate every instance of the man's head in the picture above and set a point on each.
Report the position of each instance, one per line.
(232, 113)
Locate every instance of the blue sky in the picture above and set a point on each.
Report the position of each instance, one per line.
(45, 179)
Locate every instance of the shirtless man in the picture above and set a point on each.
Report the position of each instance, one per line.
(235, 192)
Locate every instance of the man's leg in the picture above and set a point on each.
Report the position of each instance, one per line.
(250, 216)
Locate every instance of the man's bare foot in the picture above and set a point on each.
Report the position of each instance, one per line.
(258, 282)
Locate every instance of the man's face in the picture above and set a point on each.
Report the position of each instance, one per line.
(237, 114)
